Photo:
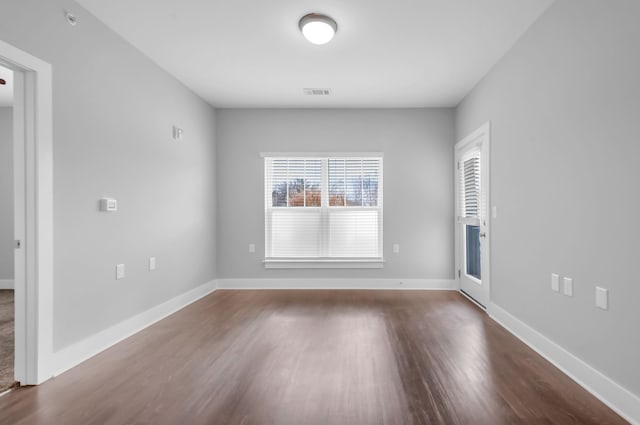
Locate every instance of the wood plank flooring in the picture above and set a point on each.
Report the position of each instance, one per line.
(314, 358)
(7, 337)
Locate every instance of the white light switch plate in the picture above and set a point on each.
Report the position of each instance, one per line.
(396, 248)
(555, 282)
(152, 263)
(494, 212)
(252, 247)
(568, 286)
(177, 133)
(120, 271)
(602, 298)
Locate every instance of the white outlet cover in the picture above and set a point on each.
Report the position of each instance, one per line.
(252, 247)
(152, 263)
(494, 212)
(119, 271)
(602, 298)
(108, 205)
(555, 282)
(568, 286)
(396, 248)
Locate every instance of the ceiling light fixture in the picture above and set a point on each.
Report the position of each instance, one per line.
(317, 28)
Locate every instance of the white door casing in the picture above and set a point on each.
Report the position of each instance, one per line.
(33, 187)
(474, 283)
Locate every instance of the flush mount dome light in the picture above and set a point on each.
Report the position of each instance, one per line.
(317, 28)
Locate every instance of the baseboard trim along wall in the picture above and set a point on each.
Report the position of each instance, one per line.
(7, 284)
(425, 284)
(77, 353)
(618, 398)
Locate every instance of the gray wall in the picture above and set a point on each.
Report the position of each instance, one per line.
(113, 116)
(564, 107)
(6, 193)
(418, 183)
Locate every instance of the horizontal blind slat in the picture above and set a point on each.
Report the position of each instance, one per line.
(469, 197)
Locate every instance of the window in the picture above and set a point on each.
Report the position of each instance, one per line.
(323, 209)
(470, 204)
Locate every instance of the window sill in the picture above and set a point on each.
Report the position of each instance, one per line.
(374, 263)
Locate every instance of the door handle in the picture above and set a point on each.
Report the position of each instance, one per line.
(483, 235)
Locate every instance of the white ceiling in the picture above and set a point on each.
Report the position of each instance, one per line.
(386, 53)
(6, 91)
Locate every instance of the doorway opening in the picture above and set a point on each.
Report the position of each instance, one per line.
(32, 234)
(473, 223)
(7, 310)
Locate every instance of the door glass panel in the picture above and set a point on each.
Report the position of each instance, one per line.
(473, 251)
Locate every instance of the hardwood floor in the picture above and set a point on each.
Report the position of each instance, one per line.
(6, 339)
(314, 358)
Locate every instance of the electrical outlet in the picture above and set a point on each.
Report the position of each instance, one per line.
(602, 298)
(568, 287)
(252, 247)
(396, 248)
(119, 271)
(555, 282)
(152, 263)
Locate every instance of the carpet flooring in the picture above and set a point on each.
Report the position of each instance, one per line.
(6, 339)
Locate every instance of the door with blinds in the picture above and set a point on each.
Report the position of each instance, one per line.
(472, 221)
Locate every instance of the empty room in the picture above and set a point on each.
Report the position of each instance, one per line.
(319, 212)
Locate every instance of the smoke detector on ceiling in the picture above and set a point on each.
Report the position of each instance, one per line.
(317, 92)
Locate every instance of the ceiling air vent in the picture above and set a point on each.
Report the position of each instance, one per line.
(317, 92)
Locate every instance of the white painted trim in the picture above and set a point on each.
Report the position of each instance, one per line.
(435, 284)
(323, 264)
(77, 353)
(34, 226)
(480, 137)
(7, 284)
(321, 154)
(618, 398)
(476, 303)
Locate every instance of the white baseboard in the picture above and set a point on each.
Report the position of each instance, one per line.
(436, 284)
(618, 398)
(77, 353)
(7, 284)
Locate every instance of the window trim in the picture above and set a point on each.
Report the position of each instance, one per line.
(323, 263)
(327, 262)
(321, 154)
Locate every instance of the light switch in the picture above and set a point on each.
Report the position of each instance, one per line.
(252, 247)
(555, 282)
(568, 286)
(120, 271)
(177, 133)
(494, 212)
(396, 248)
(152, 263)
(602, 298)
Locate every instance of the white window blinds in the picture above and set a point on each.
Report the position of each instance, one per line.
(323, 208)
(296, 182)
(469, 180)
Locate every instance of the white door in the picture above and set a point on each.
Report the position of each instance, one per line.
(472, 218)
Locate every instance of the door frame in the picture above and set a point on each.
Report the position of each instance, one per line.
(482, 135)
(33, 219)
